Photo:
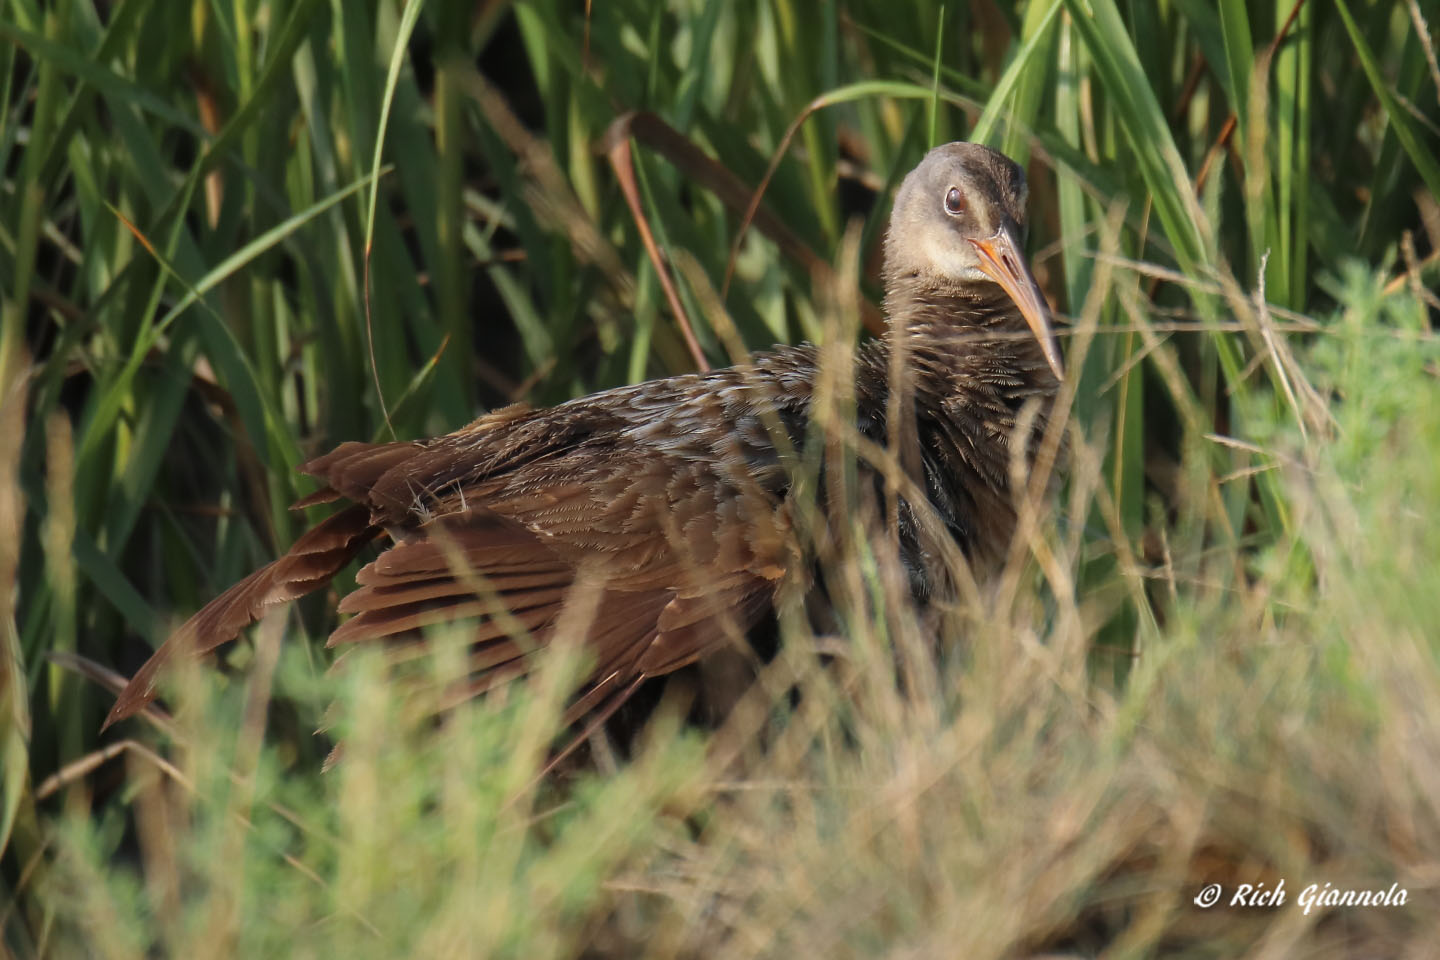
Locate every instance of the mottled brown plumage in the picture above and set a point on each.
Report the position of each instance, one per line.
(668, 500)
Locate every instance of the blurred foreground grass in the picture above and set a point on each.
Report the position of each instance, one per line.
(1218, 663)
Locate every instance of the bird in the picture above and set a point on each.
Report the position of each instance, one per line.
(672, 504)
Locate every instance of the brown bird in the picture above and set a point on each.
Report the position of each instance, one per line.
(671, 501)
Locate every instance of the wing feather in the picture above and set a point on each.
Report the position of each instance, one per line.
(316, 557)
(491, 526)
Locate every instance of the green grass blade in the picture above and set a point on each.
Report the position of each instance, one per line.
(1017, 75)
(1410, 138)
(1152, 145)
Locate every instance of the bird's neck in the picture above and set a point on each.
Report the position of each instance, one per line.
(920, 301)
(969, 364)
(957, 338)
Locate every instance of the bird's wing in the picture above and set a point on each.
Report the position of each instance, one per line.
(309, 564)
(673, 543)
(499, 524)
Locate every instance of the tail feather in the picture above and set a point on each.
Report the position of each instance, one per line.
(310, 564)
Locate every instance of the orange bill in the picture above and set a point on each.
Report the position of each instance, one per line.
(1002, 262)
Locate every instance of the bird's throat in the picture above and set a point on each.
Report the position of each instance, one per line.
(953, 339)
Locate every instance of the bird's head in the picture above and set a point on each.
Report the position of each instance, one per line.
(958, 225)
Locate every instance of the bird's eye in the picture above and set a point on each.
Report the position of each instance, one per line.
(954, 202)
